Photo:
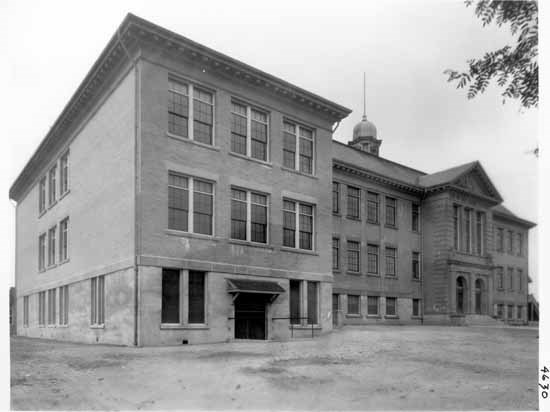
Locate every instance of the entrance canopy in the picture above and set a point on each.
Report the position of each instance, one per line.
(267, 288)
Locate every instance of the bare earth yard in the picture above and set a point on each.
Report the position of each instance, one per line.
(375, 367)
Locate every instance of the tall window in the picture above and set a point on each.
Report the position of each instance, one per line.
(354, 304)
(295, 298)
(354, 202)
(335, 253)
(510, 242)
(468, 230)
(25, 311)
(42, 252)
(480, 232)
(64, 305)
(51, 307)
(183, 297)
(64, 174)
(372, 258)
(42, 308)
(297, 225)
(372, 305)
(416, 265)
(297, 144)
(248, 216)
(391, 306)
(51, 246)
(312, 303)
(391, 206)
(520, 244)
(391, 255)
(520, 280)
(42, 195)
(52, 176)
(190, 111)
(500, 277)
(249, 131)
(354, 253)
(510, 311)
(416, 307)
(190, 197)
(500, 240)
(373, 203)
(335, 197)
(510, 278)
(97, 317)
(415, 217)
(170, 312)
(456, 226)
(196, 297)
(64, 240)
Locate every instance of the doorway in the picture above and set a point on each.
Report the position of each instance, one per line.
(460, 295)
(250, 316)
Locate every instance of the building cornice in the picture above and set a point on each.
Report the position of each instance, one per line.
(504, 216)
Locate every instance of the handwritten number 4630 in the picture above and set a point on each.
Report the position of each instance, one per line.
(546, 386)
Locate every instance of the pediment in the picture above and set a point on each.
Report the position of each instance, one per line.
(476, 181)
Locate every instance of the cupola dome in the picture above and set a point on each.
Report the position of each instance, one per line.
(364, 128)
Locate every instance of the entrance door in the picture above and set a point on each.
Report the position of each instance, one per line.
(250, 320)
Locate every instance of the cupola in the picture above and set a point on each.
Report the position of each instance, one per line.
(365, 135)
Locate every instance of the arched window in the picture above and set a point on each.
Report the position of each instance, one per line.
(460, 294)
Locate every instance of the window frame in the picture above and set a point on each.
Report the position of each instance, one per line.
(52, 307)
(336, 198)
(297, 153)
(356, 198)
(386, 257)
(511, 279)
(64, 240)
(52, 239)
(391, 299)
(375, 204)
(510, 241)
(369, 306)
(297, 214)
(191, 86)
(42, 251)
(52, 185)
(419, 310)
(249, 203)
(370, 247)
(26, 311)
(349, 242)
(97, 300)
(42, 194)
(499, 240)
(63, 297)
(64, 174)
(415, 217)
(41, 308)
(388, 207)
(457, 224)
(418, 261)
(249, 109)
(336, 253)
(183, 300)
(358, 313)
(480, 233)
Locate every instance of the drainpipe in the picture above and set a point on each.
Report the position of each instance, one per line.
(420, 223)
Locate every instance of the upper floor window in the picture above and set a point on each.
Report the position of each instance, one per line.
(520, 280)
(467, 247)
(335, 197)
(372, 258)
(391, 257)
(520, 244)
(391, 209)
(297, 147)
(456, 226)
(373, 208)
(64, 240)
(52, 176)
(64, 174)
(42, 195)
(42, 252)
(510, 278)
(297, 225)
(354, 256)
(480, 232)
(510, 242)
(415, 227)
(248, 216)
(335, 253)
(354, 202)
(500, 240)
(500, 278)
(249, 131)
(51, 246)
(188, 196)
(416, 265)
(190, 111)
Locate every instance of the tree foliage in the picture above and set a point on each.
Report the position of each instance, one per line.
(515, 69)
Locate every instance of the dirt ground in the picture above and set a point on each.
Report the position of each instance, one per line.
(374, 367)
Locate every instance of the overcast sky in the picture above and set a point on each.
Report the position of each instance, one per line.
(324, 47)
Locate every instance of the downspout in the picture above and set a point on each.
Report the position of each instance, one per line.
(420, 223)
(136, 169)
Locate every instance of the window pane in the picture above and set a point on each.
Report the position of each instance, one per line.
(101, 302)
(354, 199)
(372, 207)
(312, 303)
(335, 197)
(238, 133)
(372, 305)
(306, 156)
(353, 304)
(416, 307)
(390, 261)
(203, 207)
(196, 297)
(335, 254)
(93, 318)
(289, 224)
(372, 255)
(178, 206)
(390, 211)
(259, 223)
(170, 296)
(259, 140)
(391, 306)
(353, 256)
(289, 150)
(294, 301)
(238, 215)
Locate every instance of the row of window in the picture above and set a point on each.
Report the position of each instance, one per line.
(55, 182)
(510, 312)
(512, 247)
(468, 230)
(353, 202)
(500, 280)
(191, 115)
(353, 253)
(373, 306)
(191, 209)
(57, 235)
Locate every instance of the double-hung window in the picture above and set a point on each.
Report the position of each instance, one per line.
(480, 232)
(391, 306)
(467, 247)
(510, 278)
(188, 196)
(335, 197)
(500, 277)
(304, 300)
(249, 131)
(416, 265)
(415, 217)
(97, 313)
(51, 246)
(297, 225)
(520, 244)
(298, 147)
(183, 297)
(520, 280)
(373, 305)
(42, 252)
(510, 242)
(248, 216)
(52, 177)
(457, 216)
(354, 305)
(51, 307)
(416, 307)
(25, 311)
(335, 253)
(354, 256)
(372, 258)
(41, 308)
(64, 240)
(354, 202)
(500, 240)
(391, 255)
(64, 305)
(391, 209)
(373, 207)
(190, 111)
(64, 174)
(42, 195)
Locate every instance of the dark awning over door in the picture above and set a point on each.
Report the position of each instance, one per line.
(268, 288)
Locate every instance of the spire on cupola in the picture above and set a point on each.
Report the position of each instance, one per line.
(364, 132)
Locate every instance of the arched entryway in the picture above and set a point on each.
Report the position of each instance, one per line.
(461, 295)
(480, 296)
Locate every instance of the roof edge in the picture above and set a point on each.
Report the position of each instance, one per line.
(516, 219)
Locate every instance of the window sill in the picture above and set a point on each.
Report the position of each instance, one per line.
(288, 169)
(296, 250)
(352, 273)
(187, 140)
(391, 317)
(250, 244)
(372, 222)
(305, 327)
(64, 194)
(54, 265)
(353, 315)
(62, 326)
(41, 270)
(353, 218)
(336, 271)
(416, 280)
(386, 225)
(336, 214)
(416, 317)
(374, 317)
(181, 233)
(42, 213)
(102, 326)
(167, 326)
(416, 232)
(52, 326)
(391, 277)
(252, 159)
(374, 275)
(52, 204)
(64, 261)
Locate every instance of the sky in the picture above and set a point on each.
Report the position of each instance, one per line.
(325, 47)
